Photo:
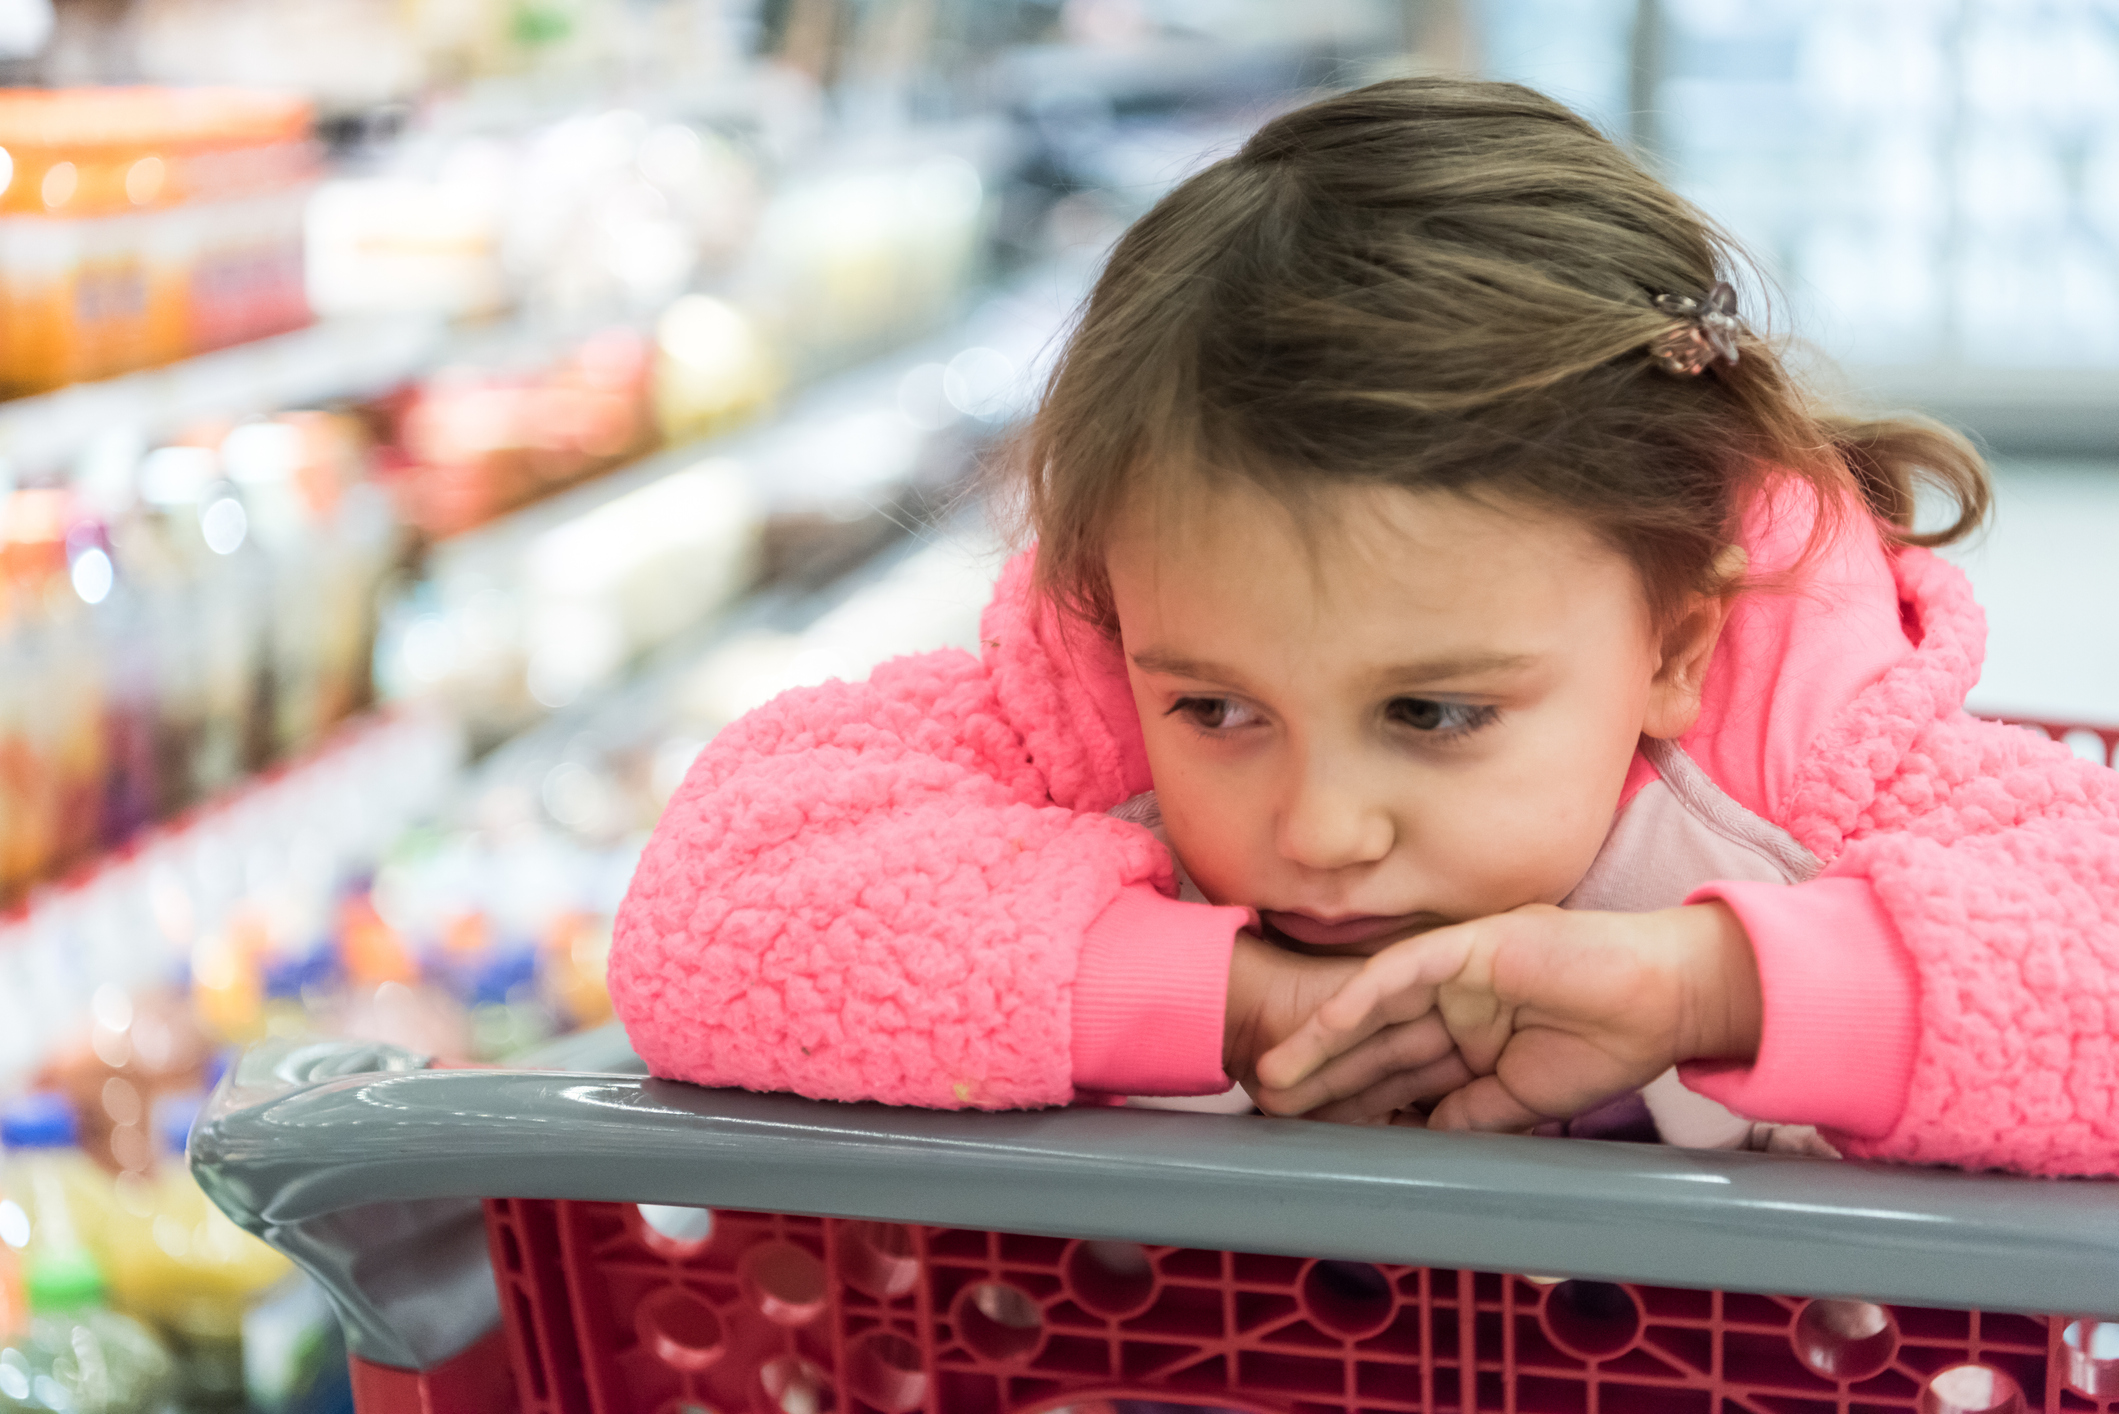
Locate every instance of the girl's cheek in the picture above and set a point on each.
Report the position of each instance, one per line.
(1213, 829)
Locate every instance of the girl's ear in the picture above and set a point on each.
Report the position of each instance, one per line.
(1688, 647)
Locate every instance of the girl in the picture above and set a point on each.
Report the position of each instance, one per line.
(1533, 690)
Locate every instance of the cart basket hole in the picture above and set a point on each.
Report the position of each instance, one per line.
(2092, 1357)
(679, 1232)
(681, 1329)
(1348, 1298)
(885, 1371)
(1111, 1278)
(1846, 1340)
(1971, 1389)
(1592, 1319)
(998, 1321)
(878, 1258)
(786, 1284)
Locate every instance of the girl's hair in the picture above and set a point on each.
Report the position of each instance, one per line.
(1439, 283)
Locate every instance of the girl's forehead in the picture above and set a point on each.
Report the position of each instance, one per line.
(1246, 564)
(1348, 532)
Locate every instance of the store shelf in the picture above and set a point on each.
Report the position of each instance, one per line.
(44, 434)
(133, 919)
(562, 602)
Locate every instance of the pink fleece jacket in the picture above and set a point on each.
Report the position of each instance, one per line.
(908, 889)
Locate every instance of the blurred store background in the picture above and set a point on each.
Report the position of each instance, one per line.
(428, 421)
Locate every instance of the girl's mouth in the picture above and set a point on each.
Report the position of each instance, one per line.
(1347, 932)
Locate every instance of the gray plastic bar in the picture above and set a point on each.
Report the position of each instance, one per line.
(358, 1163)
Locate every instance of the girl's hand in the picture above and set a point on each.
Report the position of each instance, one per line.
(1549, 1010)
(1273, 993)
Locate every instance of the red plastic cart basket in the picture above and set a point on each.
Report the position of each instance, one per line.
(587, 1240)
(967, 1263)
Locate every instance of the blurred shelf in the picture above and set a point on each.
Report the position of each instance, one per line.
(337, 359)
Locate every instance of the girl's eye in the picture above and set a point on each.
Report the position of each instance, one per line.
(1214, 714)
(1447, 719)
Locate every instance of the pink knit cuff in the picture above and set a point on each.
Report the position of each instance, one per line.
(1150, 994)
(1842, 1009)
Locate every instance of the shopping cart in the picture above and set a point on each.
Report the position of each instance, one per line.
(584, 1239)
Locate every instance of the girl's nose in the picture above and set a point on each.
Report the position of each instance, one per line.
(1330, 822)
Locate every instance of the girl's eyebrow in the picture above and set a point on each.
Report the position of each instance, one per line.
(1451, 667)
(1447, 668)
(1154, 660)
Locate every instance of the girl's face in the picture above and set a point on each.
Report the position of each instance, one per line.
(1420, 712)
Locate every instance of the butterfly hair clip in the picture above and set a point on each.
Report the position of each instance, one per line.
(1706, 332)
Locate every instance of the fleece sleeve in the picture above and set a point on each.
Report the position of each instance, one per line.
(865, 891)
(1946, 991)
(1996, 856)
(1841, 998)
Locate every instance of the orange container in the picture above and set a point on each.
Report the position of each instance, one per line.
(139, 225)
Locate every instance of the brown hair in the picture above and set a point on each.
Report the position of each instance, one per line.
(1439, 283)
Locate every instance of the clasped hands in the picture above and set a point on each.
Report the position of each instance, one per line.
(1498, 1024)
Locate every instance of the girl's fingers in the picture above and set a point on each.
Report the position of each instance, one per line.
(1315, 1043)
(1405, 973)
(1404, 1046)
(1485, 1105)
(1397, 985)
(1393, 1093)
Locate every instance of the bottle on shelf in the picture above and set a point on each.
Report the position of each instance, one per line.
(77, 1356)
(177, 1262)
(63, 1196)
(138, 1048)
(74, 1355)
(14, 1296)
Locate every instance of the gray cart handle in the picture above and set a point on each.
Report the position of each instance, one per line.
(364, 1166)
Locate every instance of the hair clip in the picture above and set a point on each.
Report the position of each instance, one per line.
(1708, 331)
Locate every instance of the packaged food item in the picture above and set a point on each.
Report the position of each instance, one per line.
(79, 1357)
(294, 1354)
(64, 1198)
(75, 1355)
(28, 805)
(227, 977)
(178, 1263)
(137, 1050)
(419, 1018)
(139, 225)
(473, 442)
(52, 732)
(572, 973)
(507, 1014)
(371, 952)
(713, 369)
(14, 1296)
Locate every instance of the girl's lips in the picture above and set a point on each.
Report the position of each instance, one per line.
(1340, 932)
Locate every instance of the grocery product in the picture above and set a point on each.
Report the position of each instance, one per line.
(138, 225)
(79, 1357)
(571, 971)
(713, 368)
(418, 1017)
(52, 750)
(177, 1263)
(14, 1296)
(189, 615)
(135, 1051)
(74, 1356)
(63, 1197)
(294, 1354)
(472, 442)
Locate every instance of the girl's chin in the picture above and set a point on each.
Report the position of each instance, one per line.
(1360, 937)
